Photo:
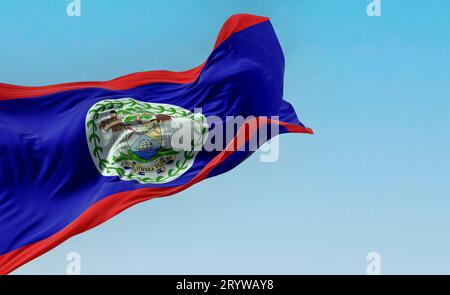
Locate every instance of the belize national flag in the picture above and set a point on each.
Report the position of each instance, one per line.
(74, 155)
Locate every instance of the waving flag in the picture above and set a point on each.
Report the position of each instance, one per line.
(74, 155)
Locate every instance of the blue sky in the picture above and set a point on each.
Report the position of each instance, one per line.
(374, 177)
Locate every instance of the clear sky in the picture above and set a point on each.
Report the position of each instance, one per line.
(374, 177)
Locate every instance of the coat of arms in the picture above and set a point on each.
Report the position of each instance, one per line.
(146, 142)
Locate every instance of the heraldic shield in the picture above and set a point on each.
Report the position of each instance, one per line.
(135, 140)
